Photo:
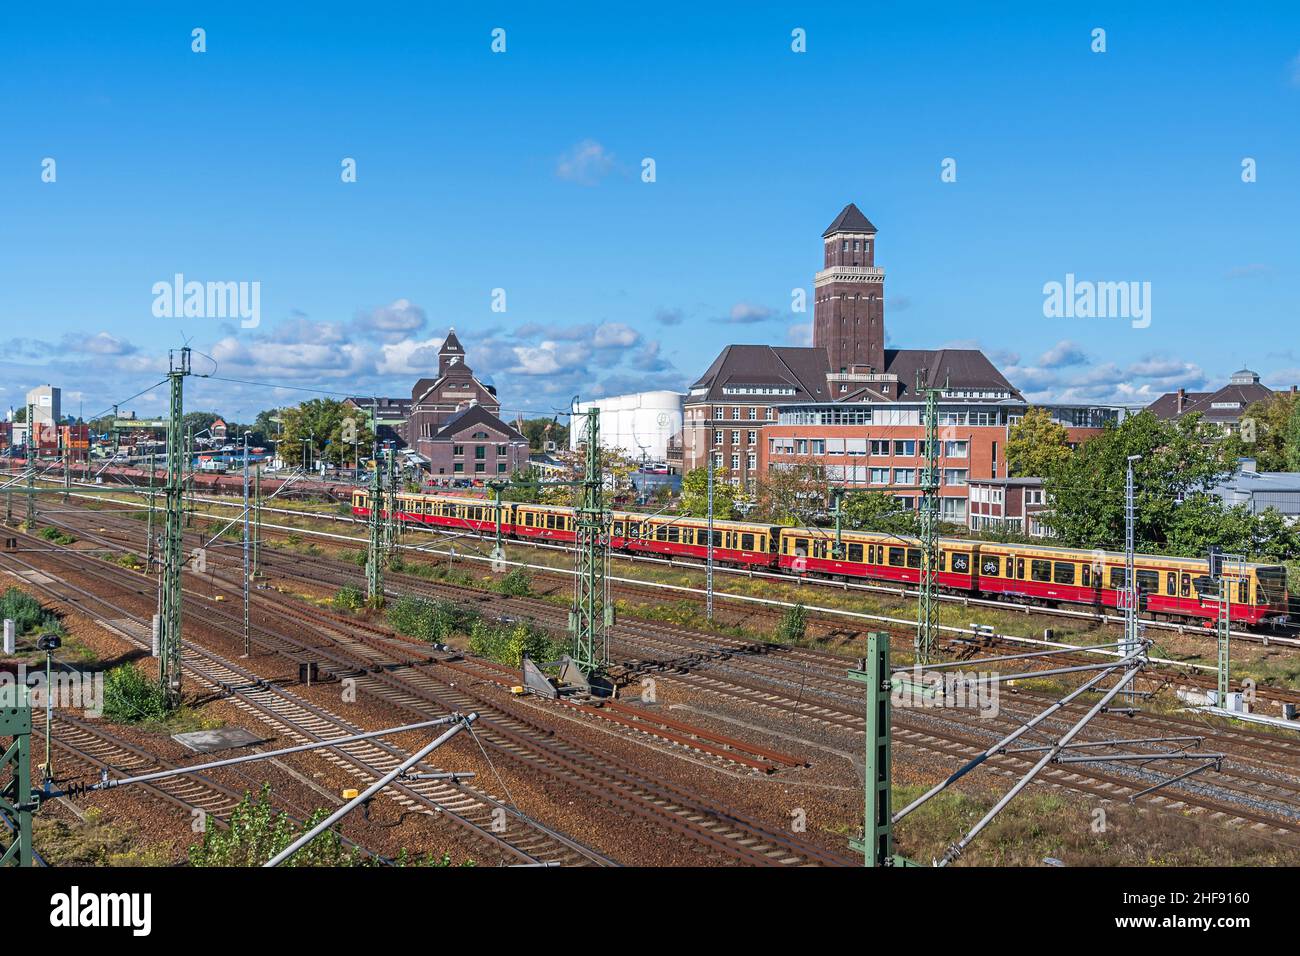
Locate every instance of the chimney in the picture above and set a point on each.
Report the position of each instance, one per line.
(1182, 399)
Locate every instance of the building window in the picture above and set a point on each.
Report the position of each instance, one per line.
(501, 468)
(904, 476)
(480, 466)
(956, 449)
(905, 449)
(880, 447)
(717, 462)
(753, 461)
(753, 412)
(735, 463)
(458, 451)
(735, 413)
(501, 449)
(458, 467)
(880, 476)
(735, 438)
(752, 437)
(955, 476)
(717, 436)
(480, 452)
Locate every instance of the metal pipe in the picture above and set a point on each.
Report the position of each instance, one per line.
(1109, 743)
(1014, 735)
(385, 780)
(955, 850)
(1182, 776)
(1006, 657)
(1100, 758)
(108, 784)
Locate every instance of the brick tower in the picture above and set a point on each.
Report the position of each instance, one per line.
(849, 303)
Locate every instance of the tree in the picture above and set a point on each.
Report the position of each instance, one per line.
(695, 494)
(539, 431)
(1179, 459)
(793, 494)
(1270, 433)
(1036, 445)
(194, 422)
(328, 427)
(877, 511)
(523, 488)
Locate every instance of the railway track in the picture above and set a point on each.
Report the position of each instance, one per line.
(290, 716)
(1290, 635)
(414, 687)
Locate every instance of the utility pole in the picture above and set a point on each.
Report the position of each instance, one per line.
(32, 451)
(837, 496)
(877, 843)
(375, 555)
(148, 544)
(248, 638)
(591, 614)
(16, 803)
(257, 520)
(1219, 564)
(1131, 627)
(173, 554)
(708, 574)
(927, 612)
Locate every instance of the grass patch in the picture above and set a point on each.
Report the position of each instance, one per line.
(92, 842)
(56, 535)
(28, 614)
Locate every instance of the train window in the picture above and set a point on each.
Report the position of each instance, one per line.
(1010, 572)
(674, 534)
(989, 566)
(1087, 575)
(551, 522)
(961, 563)
(1040, 570)
(1020, 568)
(819, 549)
(1243, 591)
(1186, 590)
(746, 542)
(617, 529)
(855, 553)
(661, 533)
(896, 557)
(913, 557)
(943, 560)
(1117, 579)
(1171, 582)
(1148, 582)
(1063, 572)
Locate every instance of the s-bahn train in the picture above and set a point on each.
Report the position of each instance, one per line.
(1171, 588)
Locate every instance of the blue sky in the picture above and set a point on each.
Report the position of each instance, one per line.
(521, 171)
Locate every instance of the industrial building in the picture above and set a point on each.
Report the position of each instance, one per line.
(640, 426)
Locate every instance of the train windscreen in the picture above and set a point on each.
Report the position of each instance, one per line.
(1272, 585)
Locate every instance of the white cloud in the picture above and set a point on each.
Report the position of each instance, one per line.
(615, 335)
(586, 163)
(746, 313)
(394, 321)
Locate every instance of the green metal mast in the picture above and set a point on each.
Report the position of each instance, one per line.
(173, 531)
(927, 611)
(591, 614)
(877, 843)
(257, 520)
(32, 449)
(375, 552)
(16, 804)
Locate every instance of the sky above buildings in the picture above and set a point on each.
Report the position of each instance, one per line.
(504, 193)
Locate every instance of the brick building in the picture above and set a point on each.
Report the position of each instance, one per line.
(1223, 407)
(435, 400)
(853, 406)
(474, 445)
(1010, 504)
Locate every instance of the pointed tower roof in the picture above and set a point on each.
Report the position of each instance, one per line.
(850, 219)
(451, 345)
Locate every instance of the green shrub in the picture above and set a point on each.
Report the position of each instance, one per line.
(349, 598)
(258, 832)
(131, 698)
(57, 536)
(27, 613)
(793, 626)
(518, 583)
(433, 621)
(508, 643)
